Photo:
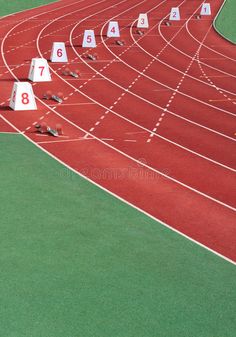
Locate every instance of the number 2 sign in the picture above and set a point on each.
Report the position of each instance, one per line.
(174, 14)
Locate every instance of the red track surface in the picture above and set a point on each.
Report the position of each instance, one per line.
(152, 121)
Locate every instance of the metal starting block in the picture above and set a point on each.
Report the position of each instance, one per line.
(92, 57)
(68, 72)
(57, 98)
(198, 17)
(120, 42)
(44, 128)
(167, 23)
(140, 32)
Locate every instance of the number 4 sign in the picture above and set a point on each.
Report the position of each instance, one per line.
(59, 52)
(22, 97)
(174, 14)
(39, 71)
(113, 29)
(89, 39)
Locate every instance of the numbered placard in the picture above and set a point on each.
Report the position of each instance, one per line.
(206, 9)
(143, 21)
(39, 70)
(174, 14)
(58, 53)
(22, 97)
(113, 29)
(89, 39)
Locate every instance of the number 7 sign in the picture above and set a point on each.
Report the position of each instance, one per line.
(39, 71)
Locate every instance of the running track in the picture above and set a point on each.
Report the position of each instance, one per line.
(153, 121)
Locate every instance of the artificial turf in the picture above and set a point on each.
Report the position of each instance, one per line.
(77, 262)
(12, 6)
(225, 21)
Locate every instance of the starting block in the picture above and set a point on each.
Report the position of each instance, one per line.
(92, 57)
(39, 70)
(44, 128)
(139, 32)
(120, 42)
(206, 9)
(22, 97)
(174, 14)
(198, 17)
(89, 39)
(113, 29)
(68, 72)
(143, 21)
(57, 97)
(167, 23)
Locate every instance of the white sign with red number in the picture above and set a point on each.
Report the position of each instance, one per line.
(59, 52)
(206, 9)
(174, 14)
(89, 39)
(22, 97)
(39, 71)
(113, 29)
(142, 21)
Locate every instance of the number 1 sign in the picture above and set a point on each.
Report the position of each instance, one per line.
(89, 39)
(22, 97)
(206, 9)
(39, 71)
(174, 14)
(58, 53)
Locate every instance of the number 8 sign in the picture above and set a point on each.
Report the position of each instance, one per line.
(22, 97)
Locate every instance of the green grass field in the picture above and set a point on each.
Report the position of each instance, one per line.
(225, 22)
(77, 262)
(12, 6)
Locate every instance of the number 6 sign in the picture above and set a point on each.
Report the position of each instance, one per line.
(39, 71)
(22, 97)
(58, 53)
(89, 39)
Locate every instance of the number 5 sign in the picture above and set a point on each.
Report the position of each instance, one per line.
(39, 71)
(59, 52)
(113, 29)
(22, 97)
(89, 39)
